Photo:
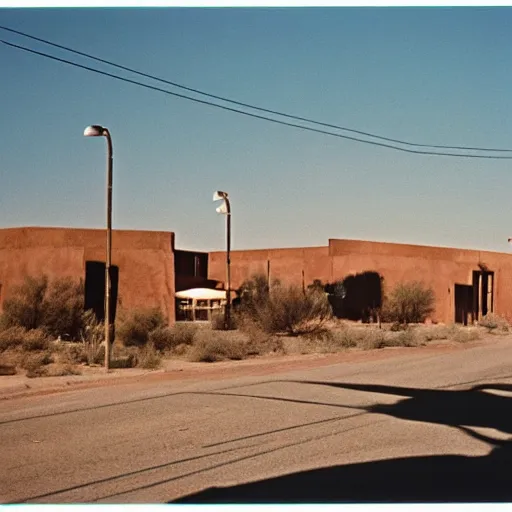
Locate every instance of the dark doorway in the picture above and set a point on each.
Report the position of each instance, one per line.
(483, 293)
(95, 289)
(463, 303)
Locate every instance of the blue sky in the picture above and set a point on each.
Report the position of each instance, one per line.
(426, 75)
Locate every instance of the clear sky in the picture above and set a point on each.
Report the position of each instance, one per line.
(426, 75)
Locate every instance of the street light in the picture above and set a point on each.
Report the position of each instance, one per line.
(99, 131)
(225, 208)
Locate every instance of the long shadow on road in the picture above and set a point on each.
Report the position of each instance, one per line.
(439, 478)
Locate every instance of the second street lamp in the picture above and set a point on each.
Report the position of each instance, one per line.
(225, 208)
(100, 131)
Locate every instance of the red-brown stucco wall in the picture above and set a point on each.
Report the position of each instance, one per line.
(145, 260)
(441, 268)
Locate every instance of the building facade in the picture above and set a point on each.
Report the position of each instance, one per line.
(148, 270)
(467, 284)
(142, 264)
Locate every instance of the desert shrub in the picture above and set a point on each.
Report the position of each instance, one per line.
(218, 323)
(7, 369)
(73, 353)
(409, 303)
(210, 346)
(3, 323)
(259, 342)
(35, 339)
(162, 338)
(40, 371)
(166, 339)
(136, 326)
(291, 310)
(339, 339)
(404, 338)
(463, 335)
(60, 370)
(128, 361)
(181, 349)
(253, 293)
(34, 362)
(149, 358)
(92, 335)
(184, 333)
(373, 339)
(50, 369)
(494, 323)
(63, 308)
(434, 332)
(12, 337)
(24, 307)
(56, 306)
(332, 341)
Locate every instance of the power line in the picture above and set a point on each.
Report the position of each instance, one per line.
(256, 116)
(248, 105)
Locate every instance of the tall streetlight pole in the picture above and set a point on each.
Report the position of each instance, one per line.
(225, 208)
(100, 131)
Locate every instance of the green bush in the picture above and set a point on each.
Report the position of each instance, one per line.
(138, 324)
(56, 306)
(409, 302)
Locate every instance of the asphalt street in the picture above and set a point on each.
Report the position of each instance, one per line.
(420, 427)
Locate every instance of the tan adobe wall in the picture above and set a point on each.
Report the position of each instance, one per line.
(145, 260)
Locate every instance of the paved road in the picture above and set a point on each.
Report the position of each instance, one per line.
(410, 428)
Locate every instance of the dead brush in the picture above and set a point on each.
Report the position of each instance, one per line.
(466, 334)
(495, 324)
(210, 346)
(92, 336)
(149, 358)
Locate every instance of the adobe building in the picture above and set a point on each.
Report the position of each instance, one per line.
(142, 264)
(467, 283)
(148, 271)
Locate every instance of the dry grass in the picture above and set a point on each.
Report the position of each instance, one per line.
(28, 340)
(149, 358)
(465, 334)
(8, 369)
(210, 346)
(136, 326)
(167, 339)
(53, 370)
(495, 324)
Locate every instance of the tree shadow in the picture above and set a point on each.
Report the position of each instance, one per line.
(420, 479)
(356, 297)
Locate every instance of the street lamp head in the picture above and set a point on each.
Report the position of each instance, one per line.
(218, 195)
(94, 130)
(222, 208)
